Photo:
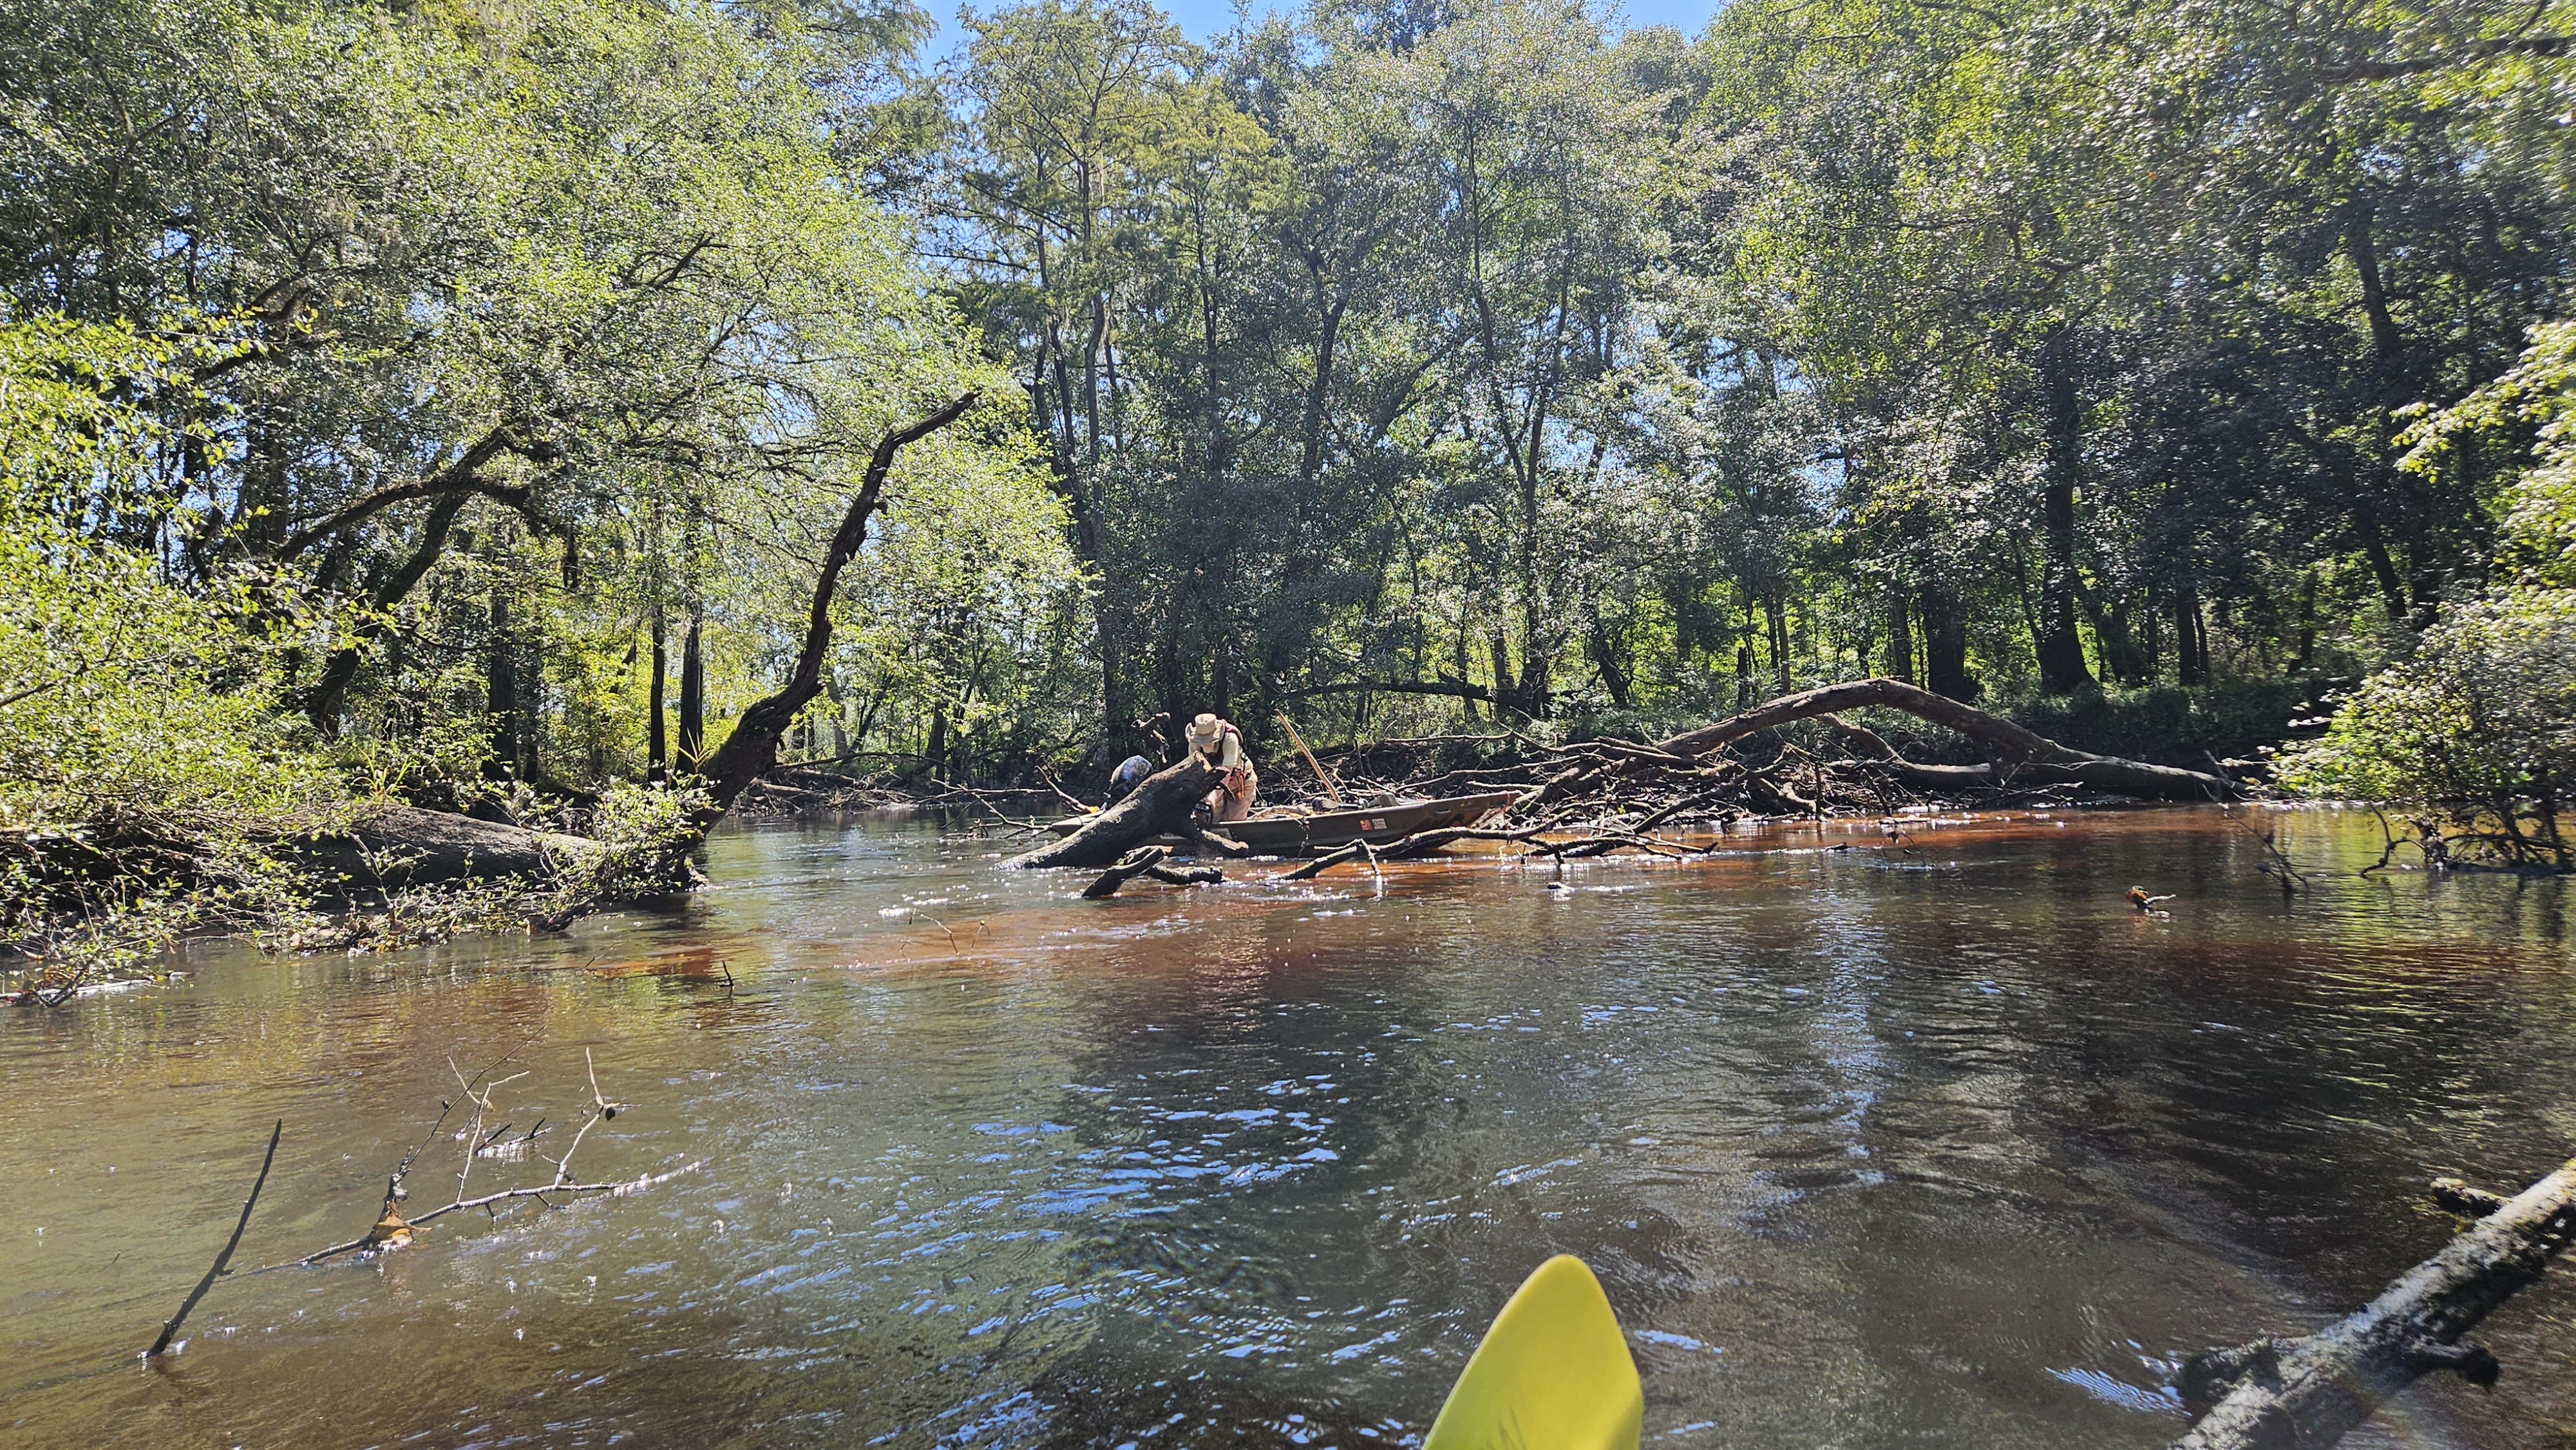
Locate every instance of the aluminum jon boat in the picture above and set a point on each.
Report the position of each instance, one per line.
(1297, 833)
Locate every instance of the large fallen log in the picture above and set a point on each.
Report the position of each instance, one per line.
(1160, 806)
(2023, 757)
(2307, 1392)
(386, 846)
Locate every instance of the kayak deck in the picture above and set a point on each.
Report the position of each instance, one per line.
(1291, 832)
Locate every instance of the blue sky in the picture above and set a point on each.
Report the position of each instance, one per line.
(1204, 19)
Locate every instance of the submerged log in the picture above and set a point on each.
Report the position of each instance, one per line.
(2026, 757)
(1137, 863)
(2307, 1392)
(1160, 806)
(1147, 861)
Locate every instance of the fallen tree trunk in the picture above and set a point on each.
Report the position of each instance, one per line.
(2309, 1391)
(1160, 806)
(386, 846)
(2025, 757)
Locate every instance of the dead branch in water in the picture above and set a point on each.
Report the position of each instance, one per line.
(393, 1229)
(1147, 861)
(170, 1330)
(2307, 1392)
(2275, 864)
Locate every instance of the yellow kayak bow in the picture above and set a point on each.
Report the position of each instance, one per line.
(1552, 1374)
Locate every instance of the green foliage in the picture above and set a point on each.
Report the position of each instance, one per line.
(131, 704)
(642, 834)
(2481, 717)
(2531, 409)
(2014, 349)
(145, 762)
(2481, 720)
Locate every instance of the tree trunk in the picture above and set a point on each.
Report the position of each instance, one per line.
(322, 702)
(1945, 648)
(658, 745)
(2308, 1392)
(693, 694)
(2191, 661)
(1900, 641)
(1605, 657)
(2122, 659)
(501, 695)
(2386, 342)
(386, 846)
(752, 747)
(1775, 620)
(2060, 648)
(2383, 568)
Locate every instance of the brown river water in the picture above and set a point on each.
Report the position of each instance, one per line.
(1930, 1144)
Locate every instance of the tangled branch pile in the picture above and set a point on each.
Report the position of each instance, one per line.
(1609, 794)
(1599, 796)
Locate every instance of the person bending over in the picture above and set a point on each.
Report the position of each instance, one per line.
(1221, 745)
(1130, 774)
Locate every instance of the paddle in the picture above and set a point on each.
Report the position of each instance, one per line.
(1552, 1374)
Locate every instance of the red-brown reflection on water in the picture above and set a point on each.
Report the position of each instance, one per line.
(1932, 1139)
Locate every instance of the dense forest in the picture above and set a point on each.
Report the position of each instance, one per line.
(443, 398)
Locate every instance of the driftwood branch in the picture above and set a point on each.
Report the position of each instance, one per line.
(1354, 849)
(1187, 875)
(1147, 861)
(2307, 1392)
(170, 1330)
(1135, 864)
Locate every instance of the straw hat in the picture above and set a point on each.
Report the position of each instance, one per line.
(1203, 731)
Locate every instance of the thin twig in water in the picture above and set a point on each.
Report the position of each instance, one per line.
(598, 1110)
(2275, 864)
(171, 1329)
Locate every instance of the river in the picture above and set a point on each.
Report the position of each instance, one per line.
(1926, 1142)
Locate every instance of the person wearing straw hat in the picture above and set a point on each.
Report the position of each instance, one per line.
(1221, 745)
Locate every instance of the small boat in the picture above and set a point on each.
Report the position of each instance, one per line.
(1295, 832)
